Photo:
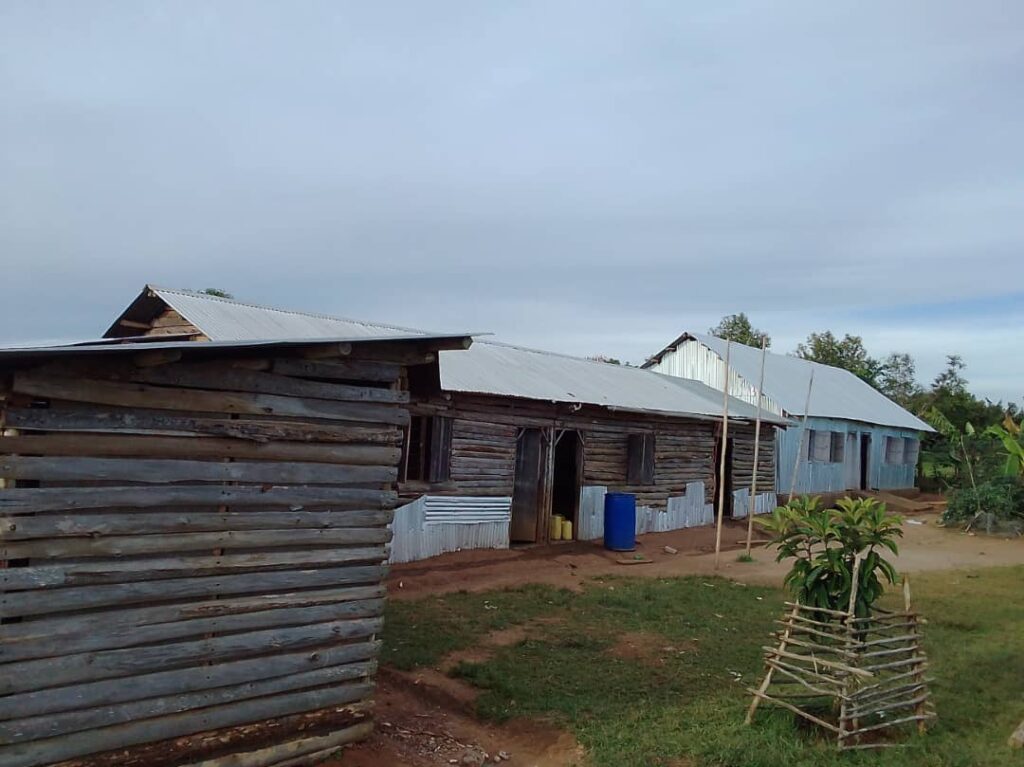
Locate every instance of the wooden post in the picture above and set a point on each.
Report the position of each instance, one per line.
(844, 729)
(800, 443)
(721, 456)
(757, 447)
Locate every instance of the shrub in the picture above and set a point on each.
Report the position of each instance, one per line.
(824, 544)
(1003, 498)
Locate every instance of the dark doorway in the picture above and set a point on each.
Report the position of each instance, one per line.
(865, 461)
(526, 492)
(727, 480)
(566, 479)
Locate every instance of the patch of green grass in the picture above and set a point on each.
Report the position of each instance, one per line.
(683, 696)
(745, 557)
(420, 633)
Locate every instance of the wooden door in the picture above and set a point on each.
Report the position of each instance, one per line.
(851, 461)
(526, 492)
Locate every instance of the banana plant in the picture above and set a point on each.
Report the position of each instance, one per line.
(1009, 434)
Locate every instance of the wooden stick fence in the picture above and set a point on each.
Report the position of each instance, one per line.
(862, 679)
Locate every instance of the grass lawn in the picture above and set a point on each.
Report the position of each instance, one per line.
(653, 672)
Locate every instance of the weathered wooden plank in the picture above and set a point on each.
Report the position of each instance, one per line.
(118, 635)
(294, 753)
(106, 445)
(50, 725)
(89, 419)
(128, 545)
(160, 523)
(86, 597)
(106, 571)
(177, 681)
(53, 750)
(349, 370)
(222, 377)
(162, 398)
(121, 621)
(160, 471)
(401, 352)
(107, 664)
(41, 499)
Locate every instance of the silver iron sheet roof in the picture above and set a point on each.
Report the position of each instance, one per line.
(488, 367)
(223, 319)
(105, 347)
(836, 393)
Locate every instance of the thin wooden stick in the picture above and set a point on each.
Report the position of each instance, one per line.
(758, 695)
(767, 678)
(819, 662)
(893, 723)
(800, 443)
(721, 458)
(757, 448)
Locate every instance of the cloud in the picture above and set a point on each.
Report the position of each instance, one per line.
(582, 177)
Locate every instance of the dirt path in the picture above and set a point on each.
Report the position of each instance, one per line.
(925, 547)
(423, 720)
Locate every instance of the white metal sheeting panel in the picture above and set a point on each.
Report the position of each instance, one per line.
(442, 509)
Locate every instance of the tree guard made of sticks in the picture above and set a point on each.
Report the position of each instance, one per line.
(862, 679)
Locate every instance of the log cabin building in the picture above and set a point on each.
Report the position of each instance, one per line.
(502, 438)
(192, 546)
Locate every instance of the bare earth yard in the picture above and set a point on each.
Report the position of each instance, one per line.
(599, 663)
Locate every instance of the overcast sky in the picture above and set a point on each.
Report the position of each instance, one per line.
(583, 177)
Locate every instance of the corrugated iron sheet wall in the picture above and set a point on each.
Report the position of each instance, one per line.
(435, 524)
(764, 504)
(689, 510)
(822, 477)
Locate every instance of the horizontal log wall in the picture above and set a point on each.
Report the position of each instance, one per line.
(484, 447)
(191, 554)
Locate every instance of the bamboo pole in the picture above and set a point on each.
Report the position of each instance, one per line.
(757, 448)
(721, 457)
(800, 443)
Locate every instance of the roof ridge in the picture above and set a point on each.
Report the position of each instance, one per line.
(563, 355)
(264, 307)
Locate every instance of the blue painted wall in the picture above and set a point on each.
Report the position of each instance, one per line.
(821, 477)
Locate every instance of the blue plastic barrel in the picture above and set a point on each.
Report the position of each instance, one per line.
(619, 521)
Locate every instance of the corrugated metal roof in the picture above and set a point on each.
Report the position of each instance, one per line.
(223, 319)
(836, 393)
(489, 367)
(486, 368)
(209, 348)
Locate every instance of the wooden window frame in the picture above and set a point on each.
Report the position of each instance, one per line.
(837, 440)
(434, 451)
(890, 456)
(815, 438)
(640, 459)
(911, 451)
